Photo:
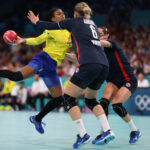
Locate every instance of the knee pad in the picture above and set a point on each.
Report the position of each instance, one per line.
(119, 109)
(69, 101)
(58, 100)
(105, 103)
(91, 103)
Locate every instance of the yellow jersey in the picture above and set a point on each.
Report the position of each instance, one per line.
(56, 43)
(8, 86)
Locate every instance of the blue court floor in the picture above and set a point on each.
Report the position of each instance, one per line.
(16, 132)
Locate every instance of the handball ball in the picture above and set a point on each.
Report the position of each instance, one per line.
(10, 37)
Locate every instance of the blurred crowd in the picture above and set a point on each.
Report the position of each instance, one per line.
(135, 43)
(15, 16)
(14, 96)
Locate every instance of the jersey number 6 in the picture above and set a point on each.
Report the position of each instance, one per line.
(94, 33)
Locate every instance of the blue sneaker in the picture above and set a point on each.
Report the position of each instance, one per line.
(104, 138)
(82, 141)
(38, 125)
(134, 136)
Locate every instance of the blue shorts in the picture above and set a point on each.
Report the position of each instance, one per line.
(45, 66)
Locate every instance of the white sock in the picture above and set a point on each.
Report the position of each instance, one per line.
(80, 127)
(103, 122)
(101, 130)
(132, 125)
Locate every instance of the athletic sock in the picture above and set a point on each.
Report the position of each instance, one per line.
(132, 125)
(103, 122)
(52, 104)
(101, 130)
(80, 127)
(14, 76)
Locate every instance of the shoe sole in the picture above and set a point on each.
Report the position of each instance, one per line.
(106, 141)
(87, 142)
(31, 120)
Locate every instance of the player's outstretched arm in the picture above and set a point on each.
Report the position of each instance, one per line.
(32, 41)
(20, 40)
(105, 43)
(44, 24)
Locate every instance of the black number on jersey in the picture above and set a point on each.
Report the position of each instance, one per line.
(94, 33)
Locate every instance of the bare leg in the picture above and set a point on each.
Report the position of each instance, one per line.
(74, 91)
(109, 91)
(56, 91)
(18, 75)
(97, 109)
(27, 71)
(121, 96)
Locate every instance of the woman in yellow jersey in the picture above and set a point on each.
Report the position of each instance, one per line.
(45, 62)
(6, 94)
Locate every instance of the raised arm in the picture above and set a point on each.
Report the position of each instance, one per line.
(45, 24)
(37, 40)
(32, 41)
(65, 24)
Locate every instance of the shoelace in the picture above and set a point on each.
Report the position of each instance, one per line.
(78, 137)
(133, 134)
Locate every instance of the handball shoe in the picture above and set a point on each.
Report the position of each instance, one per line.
(134, 136)
(38, 125)
(104, 138)
(82, 141)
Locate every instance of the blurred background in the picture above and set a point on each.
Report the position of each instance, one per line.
(128, 22)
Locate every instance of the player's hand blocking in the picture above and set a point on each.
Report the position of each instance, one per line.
(31, 16)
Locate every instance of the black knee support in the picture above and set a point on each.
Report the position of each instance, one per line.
(14, 76)
(119, 109)
(58, 101)
(91, 103)
(69, 101)
(105, 103)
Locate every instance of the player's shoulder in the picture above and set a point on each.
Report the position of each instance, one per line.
(89, 21)
(52, 32)
(78, 20)
(66, 31)
(67, 20)
(58, 33)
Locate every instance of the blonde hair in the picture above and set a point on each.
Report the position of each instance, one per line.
(83, 9)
